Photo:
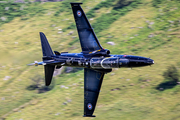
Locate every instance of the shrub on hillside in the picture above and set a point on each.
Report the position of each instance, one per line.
(106, 4)
(38, 84)
(155, 3)
(122, 3)
(171, 74)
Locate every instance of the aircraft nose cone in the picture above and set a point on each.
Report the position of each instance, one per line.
(150, 61)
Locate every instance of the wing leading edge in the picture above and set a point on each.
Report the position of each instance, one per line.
(92, 85)
(88, 39)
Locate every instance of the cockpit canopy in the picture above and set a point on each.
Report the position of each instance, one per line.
(106, 63)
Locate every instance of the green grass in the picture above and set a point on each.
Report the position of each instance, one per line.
(137, 97)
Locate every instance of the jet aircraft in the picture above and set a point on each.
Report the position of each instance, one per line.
(95, 60)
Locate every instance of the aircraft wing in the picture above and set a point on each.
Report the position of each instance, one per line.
(92, 85)
(88, 39)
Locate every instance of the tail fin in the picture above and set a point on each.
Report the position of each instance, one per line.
(47, 52)
(48, 70)
(46, 49)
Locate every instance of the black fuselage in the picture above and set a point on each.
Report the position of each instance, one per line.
(94, 62)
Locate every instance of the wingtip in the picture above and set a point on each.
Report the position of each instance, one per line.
(89, 116)
(41, 33)
(72, 3)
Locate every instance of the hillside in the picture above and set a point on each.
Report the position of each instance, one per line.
(149, 28)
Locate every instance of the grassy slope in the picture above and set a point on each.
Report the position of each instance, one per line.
(135, 99)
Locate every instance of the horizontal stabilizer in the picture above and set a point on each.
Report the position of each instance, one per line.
(48, 70)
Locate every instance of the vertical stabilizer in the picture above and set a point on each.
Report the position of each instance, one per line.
(47, 52)
(46, 49)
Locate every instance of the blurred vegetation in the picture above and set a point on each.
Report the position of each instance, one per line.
(38, 84)
(148, 28)
(64, 7)
(11, 10)
(171, 78)
(107, 4)
(171, 74)
(107, 19)
(156, 3)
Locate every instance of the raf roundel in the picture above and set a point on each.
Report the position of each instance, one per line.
(89, 106)
(79, 13)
